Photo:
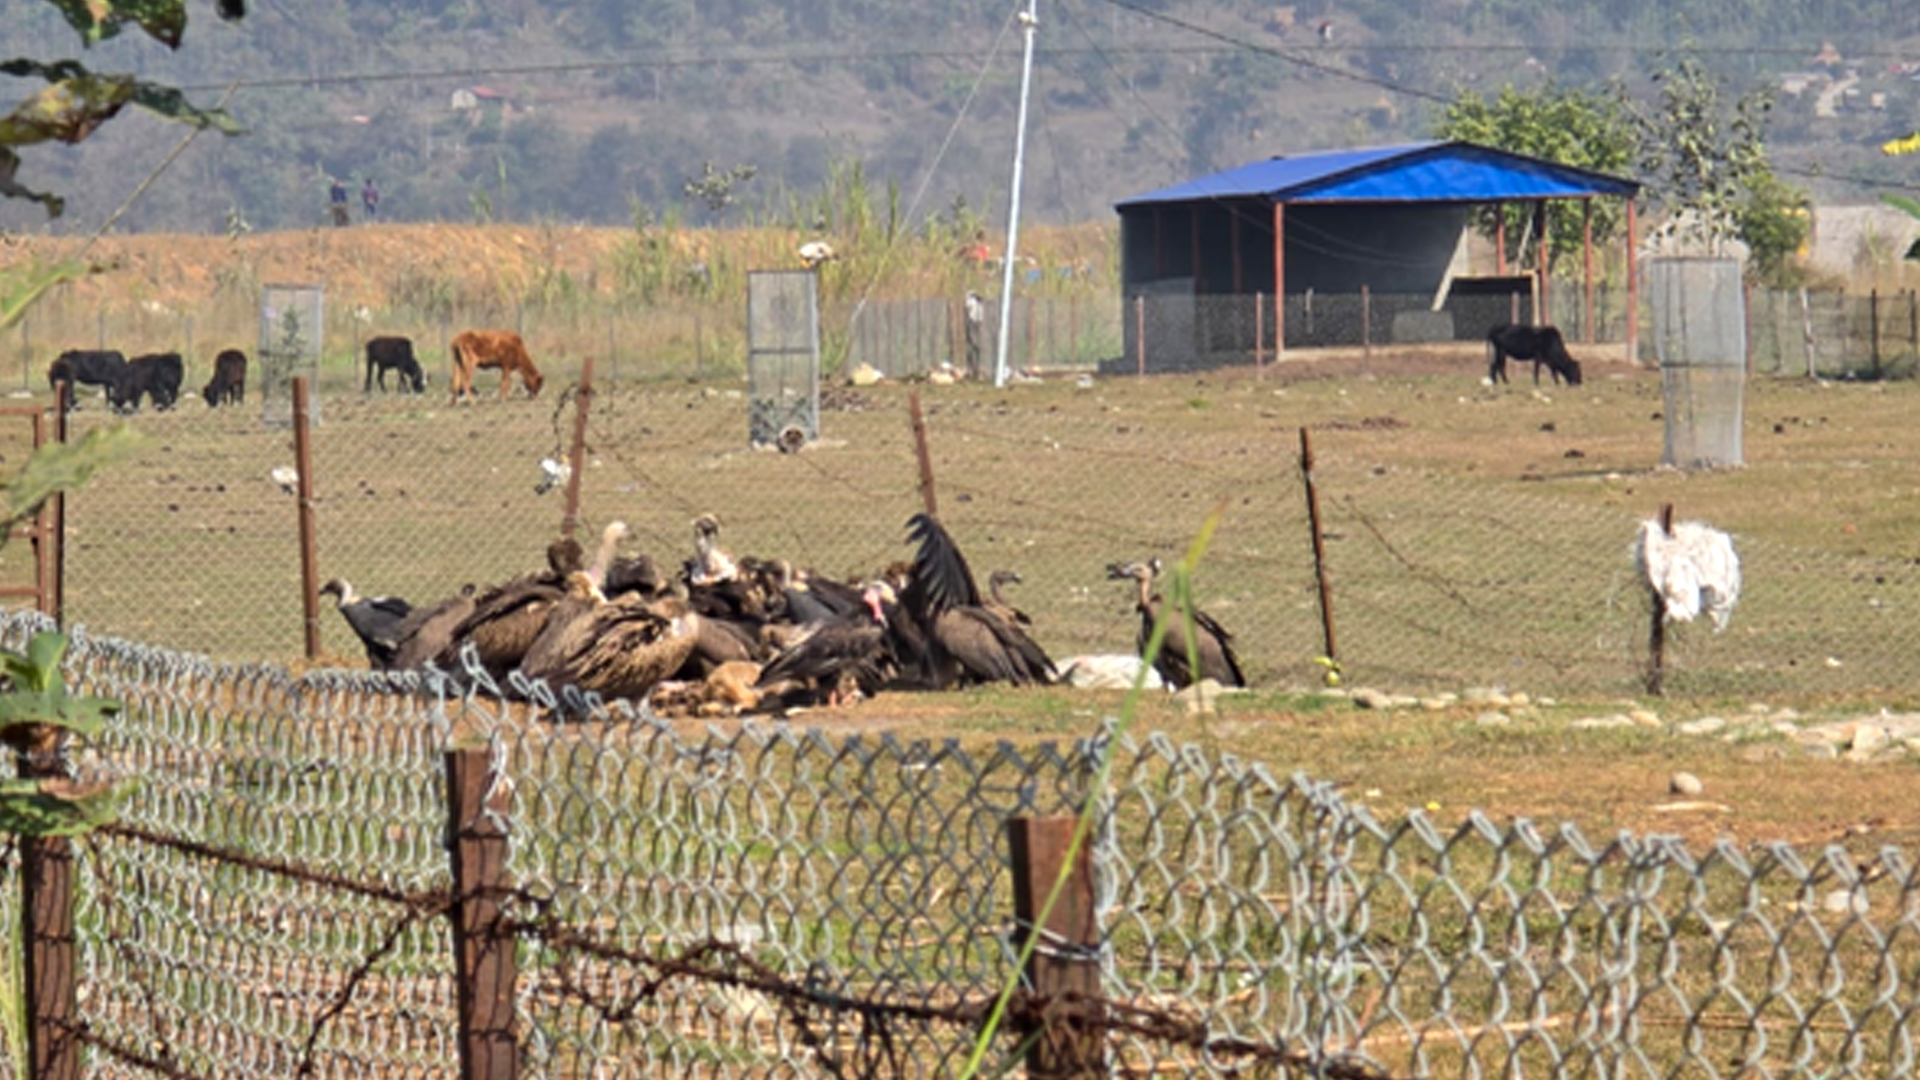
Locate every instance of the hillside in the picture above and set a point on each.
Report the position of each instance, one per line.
(597, 112)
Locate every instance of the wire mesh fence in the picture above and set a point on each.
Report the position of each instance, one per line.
(1436, 582)
(768, 901)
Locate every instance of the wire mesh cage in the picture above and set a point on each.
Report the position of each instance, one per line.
(1700, 338)
(783, 357)
(292, 333)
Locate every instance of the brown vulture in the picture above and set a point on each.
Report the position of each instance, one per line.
(1210, 644)
(941, 627)
(615, 648)
(507, 618)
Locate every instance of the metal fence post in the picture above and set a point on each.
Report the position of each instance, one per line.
(1063, 969)
(1657, 632)
(485, 967)
(1873, 328)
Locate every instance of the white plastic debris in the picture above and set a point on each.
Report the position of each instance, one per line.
(286, 476)
(1695, 570)
(552, 475)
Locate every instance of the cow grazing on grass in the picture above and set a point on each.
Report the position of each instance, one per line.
(156, 375)
(503, 349)
(395, 354)
(229, 383)
(92, 367)
(1540, 344)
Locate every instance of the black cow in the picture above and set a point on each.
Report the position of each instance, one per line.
(93, 367)
(229, 383)
(157, 375)
(1540, 344)
(394, 353)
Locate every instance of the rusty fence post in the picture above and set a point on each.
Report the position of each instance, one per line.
(52, 999)
(577, 455)
(309, 551)
(923, 453)
(1657, 631)
(485, 968)
(1319, 546)
(55, 514)
(1064, 968)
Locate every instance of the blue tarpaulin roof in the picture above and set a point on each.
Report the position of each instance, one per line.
(1414, 172)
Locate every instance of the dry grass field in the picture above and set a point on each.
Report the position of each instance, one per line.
(1476, 538)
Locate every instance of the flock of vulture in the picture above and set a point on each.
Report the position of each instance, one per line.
(746, 635)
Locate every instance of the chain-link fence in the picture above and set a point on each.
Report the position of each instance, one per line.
(1437, 582)
(774, 902)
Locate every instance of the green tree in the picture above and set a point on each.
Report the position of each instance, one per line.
(1706, 161)
(1587, 129)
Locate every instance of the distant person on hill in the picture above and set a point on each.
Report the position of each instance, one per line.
(337, 200)
(370, 198)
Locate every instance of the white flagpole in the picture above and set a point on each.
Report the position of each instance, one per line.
(1029, 20)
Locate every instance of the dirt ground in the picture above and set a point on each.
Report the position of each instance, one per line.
(1825, 471)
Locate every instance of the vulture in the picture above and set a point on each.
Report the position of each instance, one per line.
(1210, 645)
(507, 618)
(941, 627)
(614, 648)
(426, 633)
(998, 604)
(375, 620)
(710, 565)
(833, 658)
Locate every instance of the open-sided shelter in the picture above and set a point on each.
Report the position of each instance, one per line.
(1363, 246)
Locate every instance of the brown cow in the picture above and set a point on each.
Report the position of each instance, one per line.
(503, 349)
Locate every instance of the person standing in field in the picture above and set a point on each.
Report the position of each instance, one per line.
(337, 200)
(370, 199)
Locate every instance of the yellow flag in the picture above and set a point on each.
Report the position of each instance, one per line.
(1907, 145)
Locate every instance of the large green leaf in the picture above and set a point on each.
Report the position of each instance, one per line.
(12, 189)
(57, 807)
(1902, 202)
(56, 467)
(76, 101)
(98, 20)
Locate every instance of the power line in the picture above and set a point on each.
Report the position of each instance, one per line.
(1227, 44)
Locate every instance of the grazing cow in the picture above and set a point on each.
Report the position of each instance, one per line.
(1540, 344)
(157, 375)
(503, 349)
(394, 354)
(94, 367)
(229, 383)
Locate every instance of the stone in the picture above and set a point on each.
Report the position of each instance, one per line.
(1706, 725)
(1646, 718)
(1368, 698)
(1824, 751)
(1519, 700)
(1685, 783)
(1867, 738)
(1617, 720)
(1843, 902)
(1493, 719)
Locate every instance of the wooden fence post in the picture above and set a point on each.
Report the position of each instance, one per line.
(1873, 328)
(1657, 632)
(485, 967)
(303, 485)
(1064, 963)
(1319, 546)
(923, 453)
(577, 456)
(53, 1006)
(1140, 335)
